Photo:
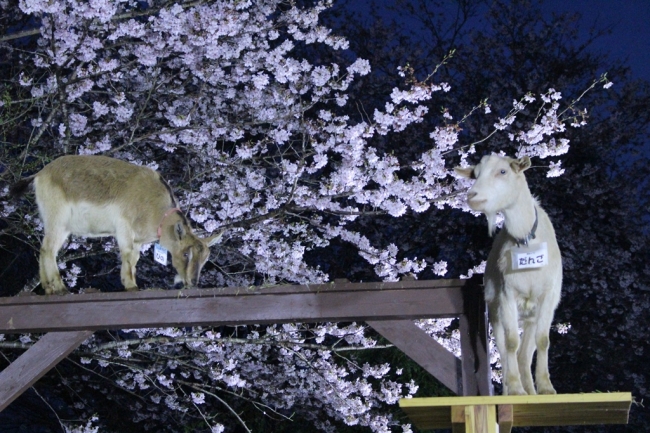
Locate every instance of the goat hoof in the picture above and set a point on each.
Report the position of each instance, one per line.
(54, 289)
(57, 293)
(132, 289)
(545, 390)
(518, 390)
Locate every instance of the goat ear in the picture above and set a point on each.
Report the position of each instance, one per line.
(214, 238)
(521, 164)
(179, 229)
(467, 172)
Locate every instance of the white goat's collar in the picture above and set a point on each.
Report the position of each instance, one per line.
(170, 211)
(530, 236)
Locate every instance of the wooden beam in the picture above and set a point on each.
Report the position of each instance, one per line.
(36, 361)
(214, 307)
(423, 349)
(527, 410)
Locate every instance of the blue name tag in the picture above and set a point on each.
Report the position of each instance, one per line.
(160, 254)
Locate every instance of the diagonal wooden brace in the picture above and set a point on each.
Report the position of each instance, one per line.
(422, 349)
(36, 361)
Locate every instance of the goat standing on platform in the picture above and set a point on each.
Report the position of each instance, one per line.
(523, 275)
(96, 196)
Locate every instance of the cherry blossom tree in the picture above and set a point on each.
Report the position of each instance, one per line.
(260, 135)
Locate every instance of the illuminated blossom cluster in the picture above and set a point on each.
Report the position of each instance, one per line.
(284, 368)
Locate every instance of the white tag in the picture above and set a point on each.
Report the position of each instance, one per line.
(160, 254)
(530, 257)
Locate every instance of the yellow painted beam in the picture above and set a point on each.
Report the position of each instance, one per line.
(527, 410)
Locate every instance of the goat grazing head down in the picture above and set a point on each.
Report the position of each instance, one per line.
(523, 274)
(95, 196)
(189, 252)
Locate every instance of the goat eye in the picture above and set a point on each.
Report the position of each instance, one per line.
(502, 171)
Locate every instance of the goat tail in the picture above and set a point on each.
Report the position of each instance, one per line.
(20, 188)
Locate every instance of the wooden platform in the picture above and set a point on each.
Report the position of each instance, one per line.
(482, 414)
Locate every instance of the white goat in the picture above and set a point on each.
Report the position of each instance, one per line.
(512, 293)
(95, 196)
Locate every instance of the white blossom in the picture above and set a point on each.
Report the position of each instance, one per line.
(555, 169)
(198, 397)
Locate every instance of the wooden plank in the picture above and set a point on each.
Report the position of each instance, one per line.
(423, 349)
(213, 308)
(36, 361)
(528, 410)
(570, 414)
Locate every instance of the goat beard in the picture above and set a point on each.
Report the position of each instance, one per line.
(492, 223)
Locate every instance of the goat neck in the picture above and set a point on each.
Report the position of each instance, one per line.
(521, 219)
(169, 212)
(173, 225)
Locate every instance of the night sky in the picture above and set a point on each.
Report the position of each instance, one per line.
(630, 21)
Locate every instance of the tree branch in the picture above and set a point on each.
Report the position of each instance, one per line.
(185, 340)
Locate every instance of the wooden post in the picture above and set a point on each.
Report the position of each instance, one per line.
(505, 418)
(474, 340)
(486, 418)
(473, 419)
(458, 419)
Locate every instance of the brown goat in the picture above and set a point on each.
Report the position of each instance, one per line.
(94, 196)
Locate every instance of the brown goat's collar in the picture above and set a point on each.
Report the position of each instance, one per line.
(169, 212)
